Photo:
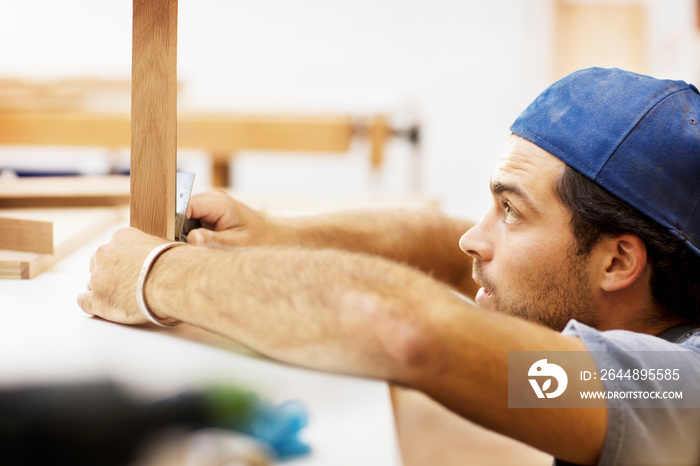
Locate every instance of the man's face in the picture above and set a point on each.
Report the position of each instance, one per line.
(524, 249)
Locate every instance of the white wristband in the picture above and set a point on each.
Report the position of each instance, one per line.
(145, 268)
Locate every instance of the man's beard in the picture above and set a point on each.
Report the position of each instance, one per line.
(552, 297)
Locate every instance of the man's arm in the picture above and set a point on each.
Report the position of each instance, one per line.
(349, 313)
(422, 238)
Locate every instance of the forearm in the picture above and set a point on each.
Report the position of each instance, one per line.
(424, 239)
(326, 309)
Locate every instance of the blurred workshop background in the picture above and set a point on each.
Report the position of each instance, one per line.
(448, 76)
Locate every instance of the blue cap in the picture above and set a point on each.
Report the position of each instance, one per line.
(635, 136)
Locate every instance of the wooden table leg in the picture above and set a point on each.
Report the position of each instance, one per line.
(220, 171)
(154, 117)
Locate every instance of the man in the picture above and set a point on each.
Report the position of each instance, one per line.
(594, 230)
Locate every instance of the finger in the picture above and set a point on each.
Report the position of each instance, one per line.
(216, 210)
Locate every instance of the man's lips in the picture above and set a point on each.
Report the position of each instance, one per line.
(483, 296)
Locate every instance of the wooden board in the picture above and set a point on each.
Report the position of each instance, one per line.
(74, 128)
(19, 234)
(65, 191)
(73, 227)
(223, 134)
(154, 117)
(220, 134)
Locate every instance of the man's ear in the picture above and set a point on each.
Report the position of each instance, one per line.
(624, 260)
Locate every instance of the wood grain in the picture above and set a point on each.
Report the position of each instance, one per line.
(154, 117)
(18, 234)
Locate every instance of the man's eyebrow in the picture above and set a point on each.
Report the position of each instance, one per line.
(498, 188)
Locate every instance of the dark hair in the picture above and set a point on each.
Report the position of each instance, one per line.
(597, 214)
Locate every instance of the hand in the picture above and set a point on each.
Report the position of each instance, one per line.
(228, 222)
(114, 271)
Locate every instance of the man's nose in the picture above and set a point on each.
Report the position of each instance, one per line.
(474, 242)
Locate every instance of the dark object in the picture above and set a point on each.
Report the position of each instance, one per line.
(84, 424)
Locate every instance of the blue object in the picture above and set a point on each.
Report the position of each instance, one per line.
(277, 427)
(636, 136)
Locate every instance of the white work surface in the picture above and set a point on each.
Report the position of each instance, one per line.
(46, 338)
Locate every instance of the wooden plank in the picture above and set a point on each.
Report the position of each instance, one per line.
(220, 134)
(154, 117)
(224, 134)
(18, 234)
(65, 191)
(73, 227)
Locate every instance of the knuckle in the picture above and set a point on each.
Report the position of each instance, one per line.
(220, 194)
(101, 252)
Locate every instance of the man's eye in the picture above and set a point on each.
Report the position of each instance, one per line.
(510, 215)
